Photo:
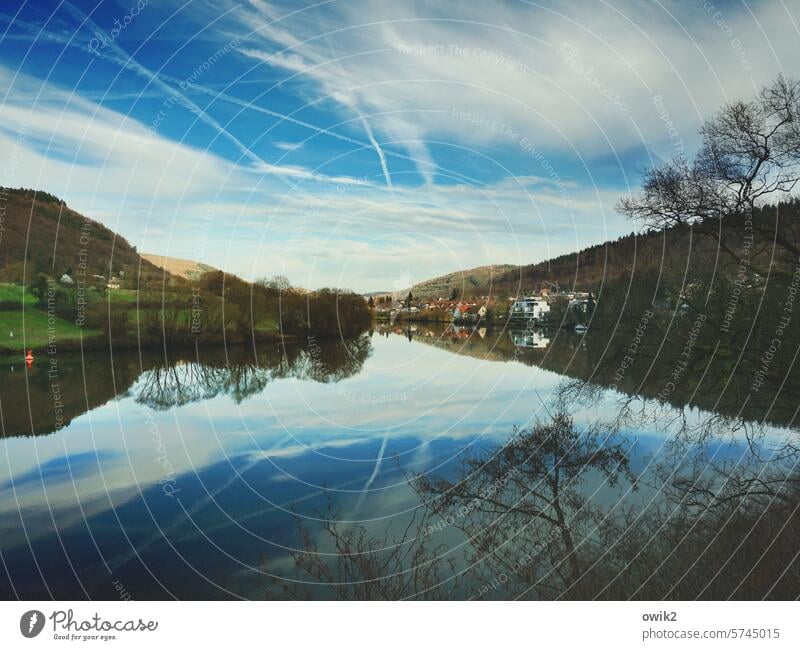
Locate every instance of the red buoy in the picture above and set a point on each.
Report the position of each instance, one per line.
(29, 358)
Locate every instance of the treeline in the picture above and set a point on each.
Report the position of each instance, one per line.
(273, 304)
(218, 308)
(620, 260)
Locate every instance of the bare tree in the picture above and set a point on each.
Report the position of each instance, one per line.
(278, 283)
(750, 153)
(347, 562)
(536, 525)
(524, 508)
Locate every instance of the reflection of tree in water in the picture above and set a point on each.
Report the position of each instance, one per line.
(720, 530)
(556, 513)
(350, 563)
(330, 361)
(525, 509)
(164, 386)
(714, 378)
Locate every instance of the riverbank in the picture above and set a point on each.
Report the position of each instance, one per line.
(53, 317)
(99, 342)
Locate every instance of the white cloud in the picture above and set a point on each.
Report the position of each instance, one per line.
(256, 219)
(568, 78)
(288, 146)
(489, 82)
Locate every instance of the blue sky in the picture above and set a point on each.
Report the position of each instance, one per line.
(367, 144)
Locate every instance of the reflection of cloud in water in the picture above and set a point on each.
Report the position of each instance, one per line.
(284, 422)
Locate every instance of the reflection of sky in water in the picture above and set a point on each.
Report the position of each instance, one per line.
(236, 471)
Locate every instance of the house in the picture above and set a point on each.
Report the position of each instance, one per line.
(579, 305)
(113, 283)
(441, 305)
(535, 308)
(389, 307)
(465, 311)
(582, 304)
(66, 279)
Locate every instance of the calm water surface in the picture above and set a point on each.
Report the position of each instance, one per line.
(177, 479)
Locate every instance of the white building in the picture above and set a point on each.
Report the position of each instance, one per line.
(531, 308)
(581, 305)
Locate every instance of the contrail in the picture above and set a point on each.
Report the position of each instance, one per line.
(41, 34)
(378, 150)
(375, 472)
(239, 102)
(129, 63)
(162, 531)
(367, 127)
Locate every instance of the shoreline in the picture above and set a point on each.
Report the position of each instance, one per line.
(98, 343)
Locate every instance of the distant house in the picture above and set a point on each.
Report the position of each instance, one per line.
(441, 305)
(389, 307)
(582, 304)
(531, 308)
(66, 279)
(465, 311)
(113, 283)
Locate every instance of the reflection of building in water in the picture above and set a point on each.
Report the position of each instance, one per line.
(459, 331)
(529, 339)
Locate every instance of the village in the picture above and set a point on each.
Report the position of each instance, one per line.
(542, 308)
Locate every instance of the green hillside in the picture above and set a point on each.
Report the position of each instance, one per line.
(41, 234)
(30, 328)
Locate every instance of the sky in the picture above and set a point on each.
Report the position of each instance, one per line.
(367, 144)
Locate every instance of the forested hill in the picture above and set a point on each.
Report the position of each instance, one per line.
(41, 234)
(775, 233)
(590, 267)
(477, 280)
(671, 252)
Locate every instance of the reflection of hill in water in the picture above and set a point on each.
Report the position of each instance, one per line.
(710, 378)
(714, 379)
(34, 403)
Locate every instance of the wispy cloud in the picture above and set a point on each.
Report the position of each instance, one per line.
(354, 141)
(288, 146)
(548, 73)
